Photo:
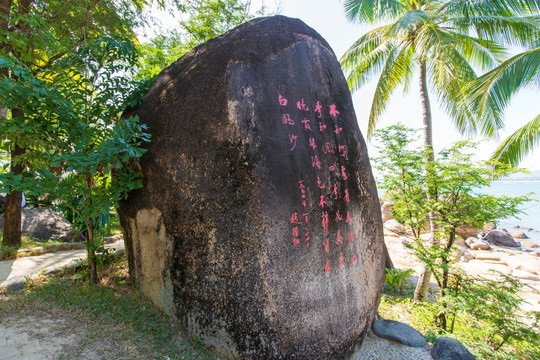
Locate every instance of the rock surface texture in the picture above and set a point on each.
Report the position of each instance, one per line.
(258, 226)
(44, 224)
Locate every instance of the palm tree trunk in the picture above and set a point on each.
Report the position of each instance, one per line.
(422, 287)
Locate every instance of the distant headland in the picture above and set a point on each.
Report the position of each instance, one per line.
(532, 176)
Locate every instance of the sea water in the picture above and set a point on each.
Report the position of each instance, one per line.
(530, 218)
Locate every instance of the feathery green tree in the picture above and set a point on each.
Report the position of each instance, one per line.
(35, 34)
(457, 201)
(206, 19)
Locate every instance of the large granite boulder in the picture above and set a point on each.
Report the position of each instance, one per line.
(44, 224)
(258, 226)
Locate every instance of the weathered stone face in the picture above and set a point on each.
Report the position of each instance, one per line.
(258, 226)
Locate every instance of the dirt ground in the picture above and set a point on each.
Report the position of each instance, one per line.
(41, 336)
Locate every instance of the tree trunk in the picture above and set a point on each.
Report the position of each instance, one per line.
(5, 9)
(422, 287)
(12, 214)
(92, 261)
(90, 241)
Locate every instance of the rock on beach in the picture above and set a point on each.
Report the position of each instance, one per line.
(501, 238)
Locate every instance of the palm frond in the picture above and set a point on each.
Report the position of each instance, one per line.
(518, 145)
(397, 69)
(366, 57)
(481, 53)
(449, 70)
(372, 10)
(467, 8)
(500, 84)
(511, 30)
(408, 23)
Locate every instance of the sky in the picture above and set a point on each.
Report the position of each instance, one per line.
(327, 17)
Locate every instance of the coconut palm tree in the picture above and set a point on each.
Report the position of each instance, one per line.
(498, 86)
(442, 41)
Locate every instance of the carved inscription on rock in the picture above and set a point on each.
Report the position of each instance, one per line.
(327, 207)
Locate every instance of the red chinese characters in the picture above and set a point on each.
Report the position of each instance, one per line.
(296, 238)
(318, 109)
(286, 119)
(333, 111)
(325, 221)
(294, 218)
(301, 105)
(339, 239)
(315, 162)
(292, 140)
(324, 191)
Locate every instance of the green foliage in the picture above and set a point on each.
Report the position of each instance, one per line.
(211, 18)
(33, 39)
(417, 314)
(95, 143)
(495, 304)
(475, 323)
(79, 145)
(482, 313)
(402, 176)
(396, 278)
(206, 19)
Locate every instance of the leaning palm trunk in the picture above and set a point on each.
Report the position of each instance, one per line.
(422, 287)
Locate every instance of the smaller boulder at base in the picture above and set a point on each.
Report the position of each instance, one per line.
(446, 348)
(403, 333)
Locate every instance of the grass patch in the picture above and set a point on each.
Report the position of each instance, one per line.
(10, 252)
(113, 227)
(111, 320)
